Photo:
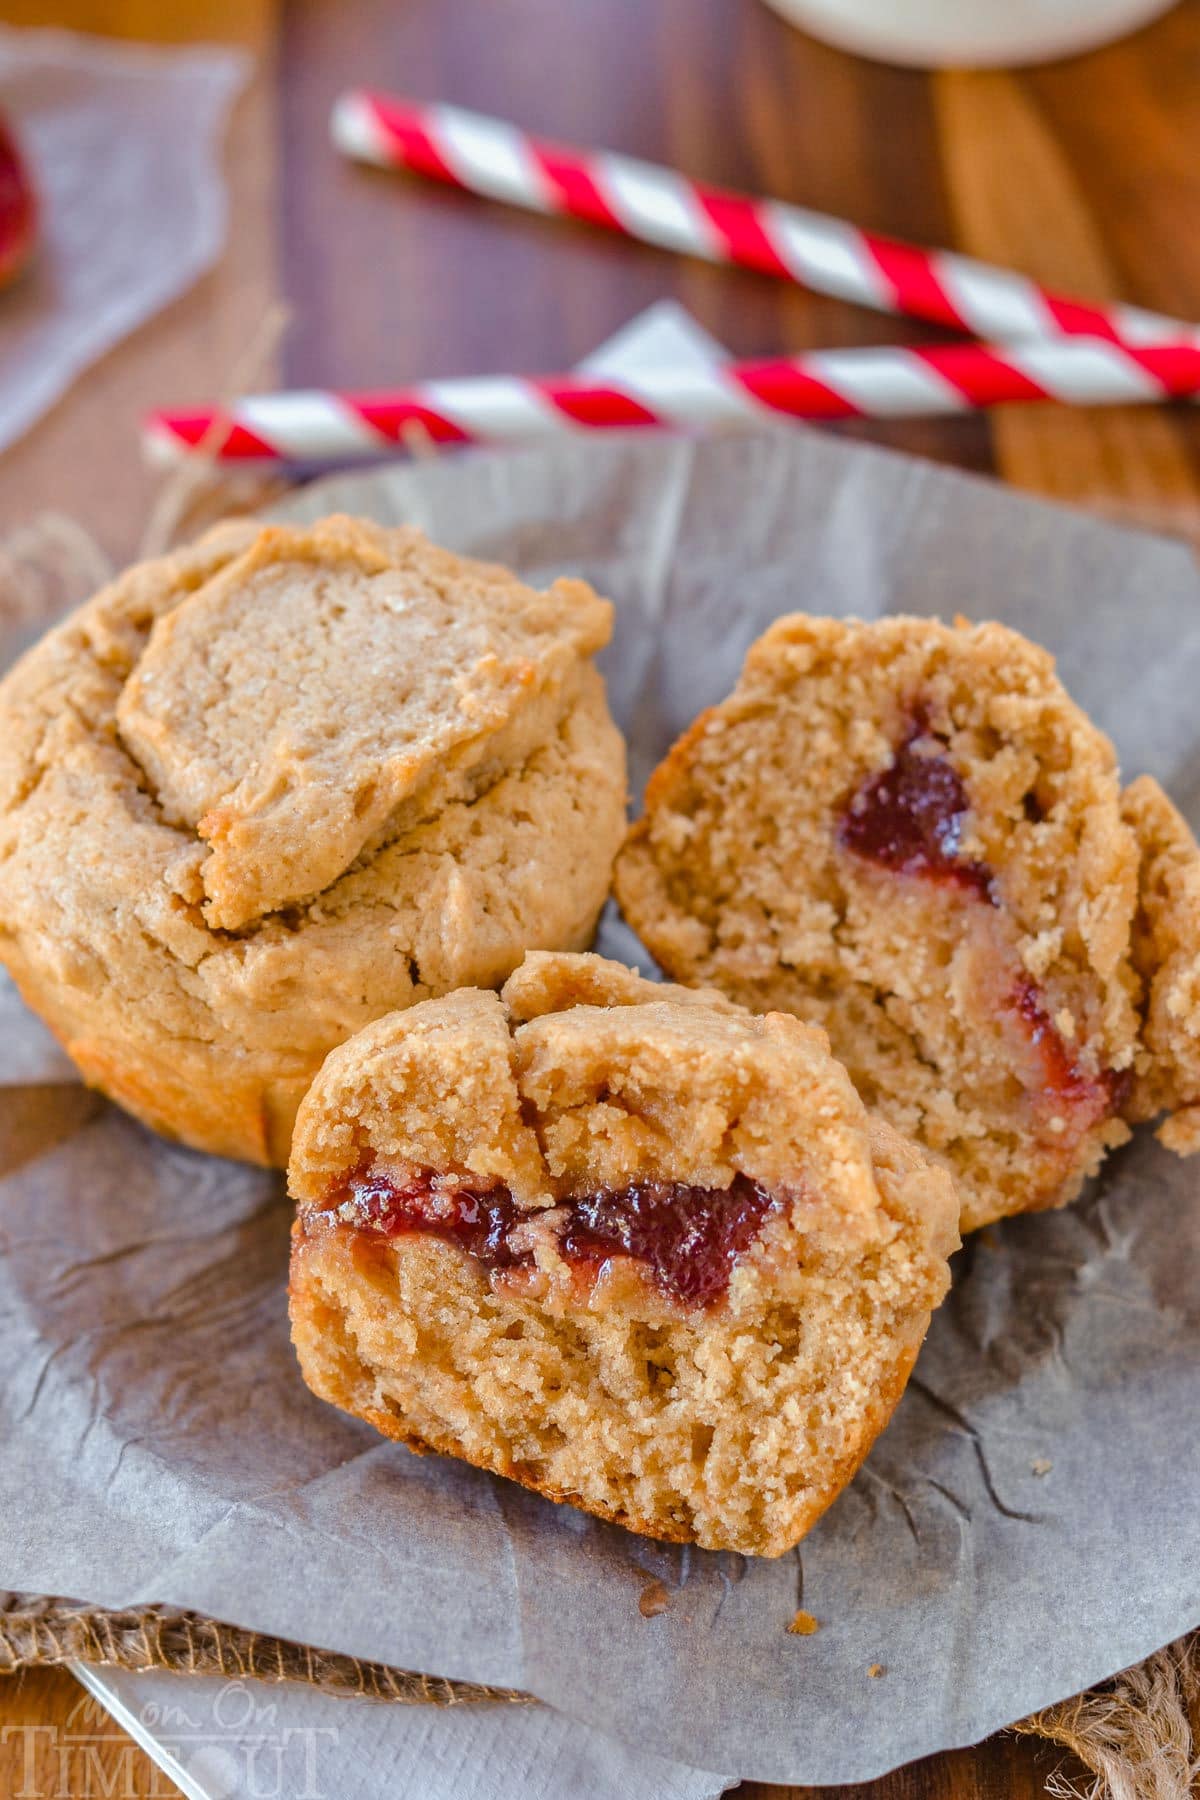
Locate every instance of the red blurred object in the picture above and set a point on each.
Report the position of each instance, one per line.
(18, 209)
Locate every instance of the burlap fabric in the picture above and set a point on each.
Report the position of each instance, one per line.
(1138, 1734)
(37, 1630)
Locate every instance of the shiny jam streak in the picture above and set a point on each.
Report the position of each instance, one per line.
(687, 1238)
(909, 817)
(1082, 1098)
(479, 1222)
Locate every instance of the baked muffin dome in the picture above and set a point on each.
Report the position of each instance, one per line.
(627, 1244)
(908, 833)
(261, 791)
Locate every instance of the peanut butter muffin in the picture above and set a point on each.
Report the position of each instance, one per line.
(909, 834)
(262, 791)
(627, 1244)
(1166, 952)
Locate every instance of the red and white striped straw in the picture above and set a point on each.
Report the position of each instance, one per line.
(659, 206)
(323, 426)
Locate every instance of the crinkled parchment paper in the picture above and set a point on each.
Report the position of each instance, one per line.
(1028, 1524)
(122, 144)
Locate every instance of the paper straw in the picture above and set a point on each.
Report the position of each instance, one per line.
(319, 425)
(658, 206)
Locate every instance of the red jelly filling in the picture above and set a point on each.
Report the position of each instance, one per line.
(687, 1238)
(909, 817)
(478, 1221)
(1079, 1097)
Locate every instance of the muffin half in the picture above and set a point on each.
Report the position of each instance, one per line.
(909, 834)
(626, 1244)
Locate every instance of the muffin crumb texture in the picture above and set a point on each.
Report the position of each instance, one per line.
(909, 834)
(639, 1250)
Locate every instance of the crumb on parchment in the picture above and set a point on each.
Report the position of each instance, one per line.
(1041, 1465)
(803, 1624)
(876, 1670)
(653, 1599)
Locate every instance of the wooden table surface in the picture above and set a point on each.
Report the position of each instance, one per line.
(1084, 174)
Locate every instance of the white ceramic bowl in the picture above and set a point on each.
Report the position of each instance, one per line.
(968, 33)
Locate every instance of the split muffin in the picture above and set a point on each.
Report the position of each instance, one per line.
(909, 834)
(627, 1244)
(261, 791)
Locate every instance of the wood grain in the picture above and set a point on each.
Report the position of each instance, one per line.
(1020, 198)
(1004, 1768)
(1085, 174)
(57, 1743)
(719, 88)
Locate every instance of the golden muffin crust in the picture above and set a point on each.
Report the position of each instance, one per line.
(727, 1410)
(1166, 951)
(258, 792)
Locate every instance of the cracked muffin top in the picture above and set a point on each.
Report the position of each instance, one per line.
(326, 685)
(260, 791)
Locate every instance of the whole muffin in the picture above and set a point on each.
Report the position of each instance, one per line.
(908, 833)
(624, 1243)
(257, 793)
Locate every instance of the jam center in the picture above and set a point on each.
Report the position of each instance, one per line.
(1065, 1084)
(909, 817)
(687, 1238)
(479, 1221)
